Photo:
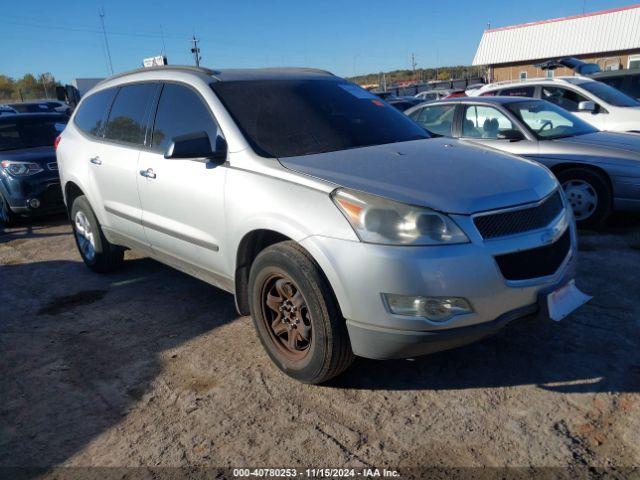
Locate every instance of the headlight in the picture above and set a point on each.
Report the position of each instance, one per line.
(20, 169)
(382, 221)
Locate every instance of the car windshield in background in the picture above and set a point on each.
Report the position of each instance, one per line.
(23, 133)
(547, 121)
(609, 94)
(285, 118)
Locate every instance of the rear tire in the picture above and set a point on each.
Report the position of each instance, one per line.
(96, 251)
(296, 316)
(589, 195)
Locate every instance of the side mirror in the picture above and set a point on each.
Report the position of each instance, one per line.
(587, 106)
(61, 93)
(512, 135)
(196, 146)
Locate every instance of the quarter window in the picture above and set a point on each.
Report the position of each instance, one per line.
(567, 99)
(127, 119)
(92, 112)
(437, 119)
(484, 122)
(180, 112)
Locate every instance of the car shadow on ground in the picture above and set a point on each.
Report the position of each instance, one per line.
(25, 228)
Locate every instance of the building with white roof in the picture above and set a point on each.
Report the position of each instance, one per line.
(610, 38)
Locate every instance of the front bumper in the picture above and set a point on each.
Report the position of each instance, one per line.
(20, 193)
(359, 273)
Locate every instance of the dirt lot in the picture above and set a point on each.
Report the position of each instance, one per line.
(149, 367)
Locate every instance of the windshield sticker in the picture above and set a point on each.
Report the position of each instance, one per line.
(357, 91)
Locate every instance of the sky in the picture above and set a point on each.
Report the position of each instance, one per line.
(347, 37)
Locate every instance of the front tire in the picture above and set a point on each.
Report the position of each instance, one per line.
(96, 251)
(296, 316)
(589, 195)
(7, 217)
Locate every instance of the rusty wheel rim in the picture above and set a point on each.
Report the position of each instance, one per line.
(286, 316)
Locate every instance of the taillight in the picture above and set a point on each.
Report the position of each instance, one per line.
(56, 142)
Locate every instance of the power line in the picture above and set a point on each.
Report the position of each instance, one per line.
(106, 41)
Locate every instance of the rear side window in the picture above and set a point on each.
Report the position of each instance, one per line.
(180, 112)
(127, 118)
(436, 119)
(92, 112)
(518, 92)
(563, 97)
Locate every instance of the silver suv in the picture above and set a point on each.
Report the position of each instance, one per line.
(335, 220)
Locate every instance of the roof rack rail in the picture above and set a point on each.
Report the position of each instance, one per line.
(190, 68)
(533, 79)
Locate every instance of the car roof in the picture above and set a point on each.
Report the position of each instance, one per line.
(229, 75)
(566, 79)
(488, 99)
(616, 73)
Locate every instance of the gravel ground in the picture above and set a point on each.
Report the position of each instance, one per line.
(149, 367)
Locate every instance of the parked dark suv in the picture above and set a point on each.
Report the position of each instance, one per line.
(29, 182)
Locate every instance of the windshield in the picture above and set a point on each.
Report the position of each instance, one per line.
(548, 121)
(285, 118)
(609, 94)
(23, 133)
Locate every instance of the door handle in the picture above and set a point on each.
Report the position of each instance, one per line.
(148, 173)
(95, 160)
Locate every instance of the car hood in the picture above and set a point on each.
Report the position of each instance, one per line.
(624, 145)
(38, 155)
(438, 173)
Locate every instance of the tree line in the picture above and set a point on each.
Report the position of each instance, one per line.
(29, 87)
(420, 75)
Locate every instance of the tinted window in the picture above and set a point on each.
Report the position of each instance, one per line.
(436, 119)
(29, 133)
(127, 119)
(93, 111)
(564, 98)
(518, 92)
(283, 118)
(181, 111)
(610, 94)
(484, 122)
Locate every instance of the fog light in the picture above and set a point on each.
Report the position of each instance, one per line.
(436, 309)
(34, 203)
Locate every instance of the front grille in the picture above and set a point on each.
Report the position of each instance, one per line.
(518, 221)
(537, 262)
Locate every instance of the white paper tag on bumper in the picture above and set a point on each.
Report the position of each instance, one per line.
(565, 300)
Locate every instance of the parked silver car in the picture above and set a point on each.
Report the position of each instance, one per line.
(599, 171)
(333, 218)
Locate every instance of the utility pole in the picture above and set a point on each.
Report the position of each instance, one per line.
(195, 50)
(413, 65)
(106, 41)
